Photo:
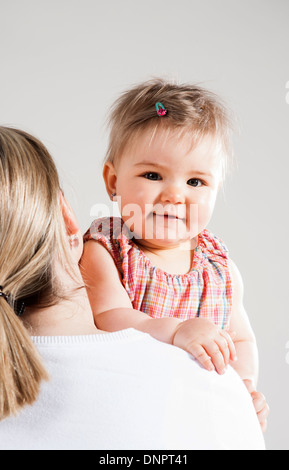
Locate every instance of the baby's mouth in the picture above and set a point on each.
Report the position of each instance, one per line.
(169, 216)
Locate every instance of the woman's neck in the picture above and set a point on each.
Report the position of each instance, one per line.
(67, 317)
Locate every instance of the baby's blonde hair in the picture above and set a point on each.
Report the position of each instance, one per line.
(32, 236)
(190, 108)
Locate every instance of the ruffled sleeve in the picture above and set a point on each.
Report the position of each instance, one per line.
(108, 232)
(213, 248)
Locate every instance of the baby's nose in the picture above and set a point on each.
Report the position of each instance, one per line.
(173, 194)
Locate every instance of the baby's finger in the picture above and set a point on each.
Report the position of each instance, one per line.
(224, 348)
(217, 358)
(259, 401)
(231, 333)
(263, 425)
(263, 414)
(199, 353)
(231, 346)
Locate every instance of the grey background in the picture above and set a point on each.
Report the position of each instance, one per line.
(63, 62)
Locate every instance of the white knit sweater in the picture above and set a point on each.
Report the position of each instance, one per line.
(125, 390)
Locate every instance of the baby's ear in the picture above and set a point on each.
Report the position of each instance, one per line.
(70, 220)
(110, 177)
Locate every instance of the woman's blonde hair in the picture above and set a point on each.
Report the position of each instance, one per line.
(32, 236)
(190, 108)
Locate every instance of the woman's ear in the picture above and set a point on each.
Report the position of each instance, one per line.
(70, 220)
(110, 177)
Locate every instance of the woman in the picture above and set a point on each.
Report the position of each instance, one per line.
(64, 384)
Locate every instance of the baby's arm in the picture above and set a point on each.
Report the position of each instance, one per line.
(113, 311)
(110, 303)
(247, 364)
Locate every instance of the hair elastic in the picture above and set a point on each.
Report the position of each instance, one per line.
(161, 110)
(19, 307)
(2, 294)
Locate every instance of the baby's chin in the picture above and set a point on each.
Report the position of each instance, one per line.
(164, 232)
(160, 243)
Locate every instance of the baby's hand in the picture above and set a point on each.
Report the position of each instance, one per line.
(260, 404)
(209, 345)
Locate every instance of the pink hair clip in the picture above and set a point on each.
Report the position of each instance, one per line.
(161, 110)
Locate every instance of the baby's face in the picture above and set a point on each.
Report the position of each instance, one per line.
(167, 188)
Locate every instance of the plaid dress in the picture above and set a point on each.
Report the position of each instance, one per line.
(205, 291)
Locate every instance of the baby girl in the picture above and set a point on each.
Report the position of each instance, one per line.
(157, 268)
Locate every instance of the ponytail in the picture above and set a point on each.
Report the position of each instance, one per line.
(21, 369)
(33, 238)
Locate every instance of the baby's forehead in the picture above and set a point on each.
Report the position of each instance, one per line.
(169, 144)
(173, 154)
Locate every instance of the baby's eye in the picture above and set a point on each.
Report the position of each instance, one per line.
(152, 176)
(195, 182)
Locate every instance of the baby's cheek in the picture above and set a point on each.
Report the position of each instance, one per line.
(205, 212)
